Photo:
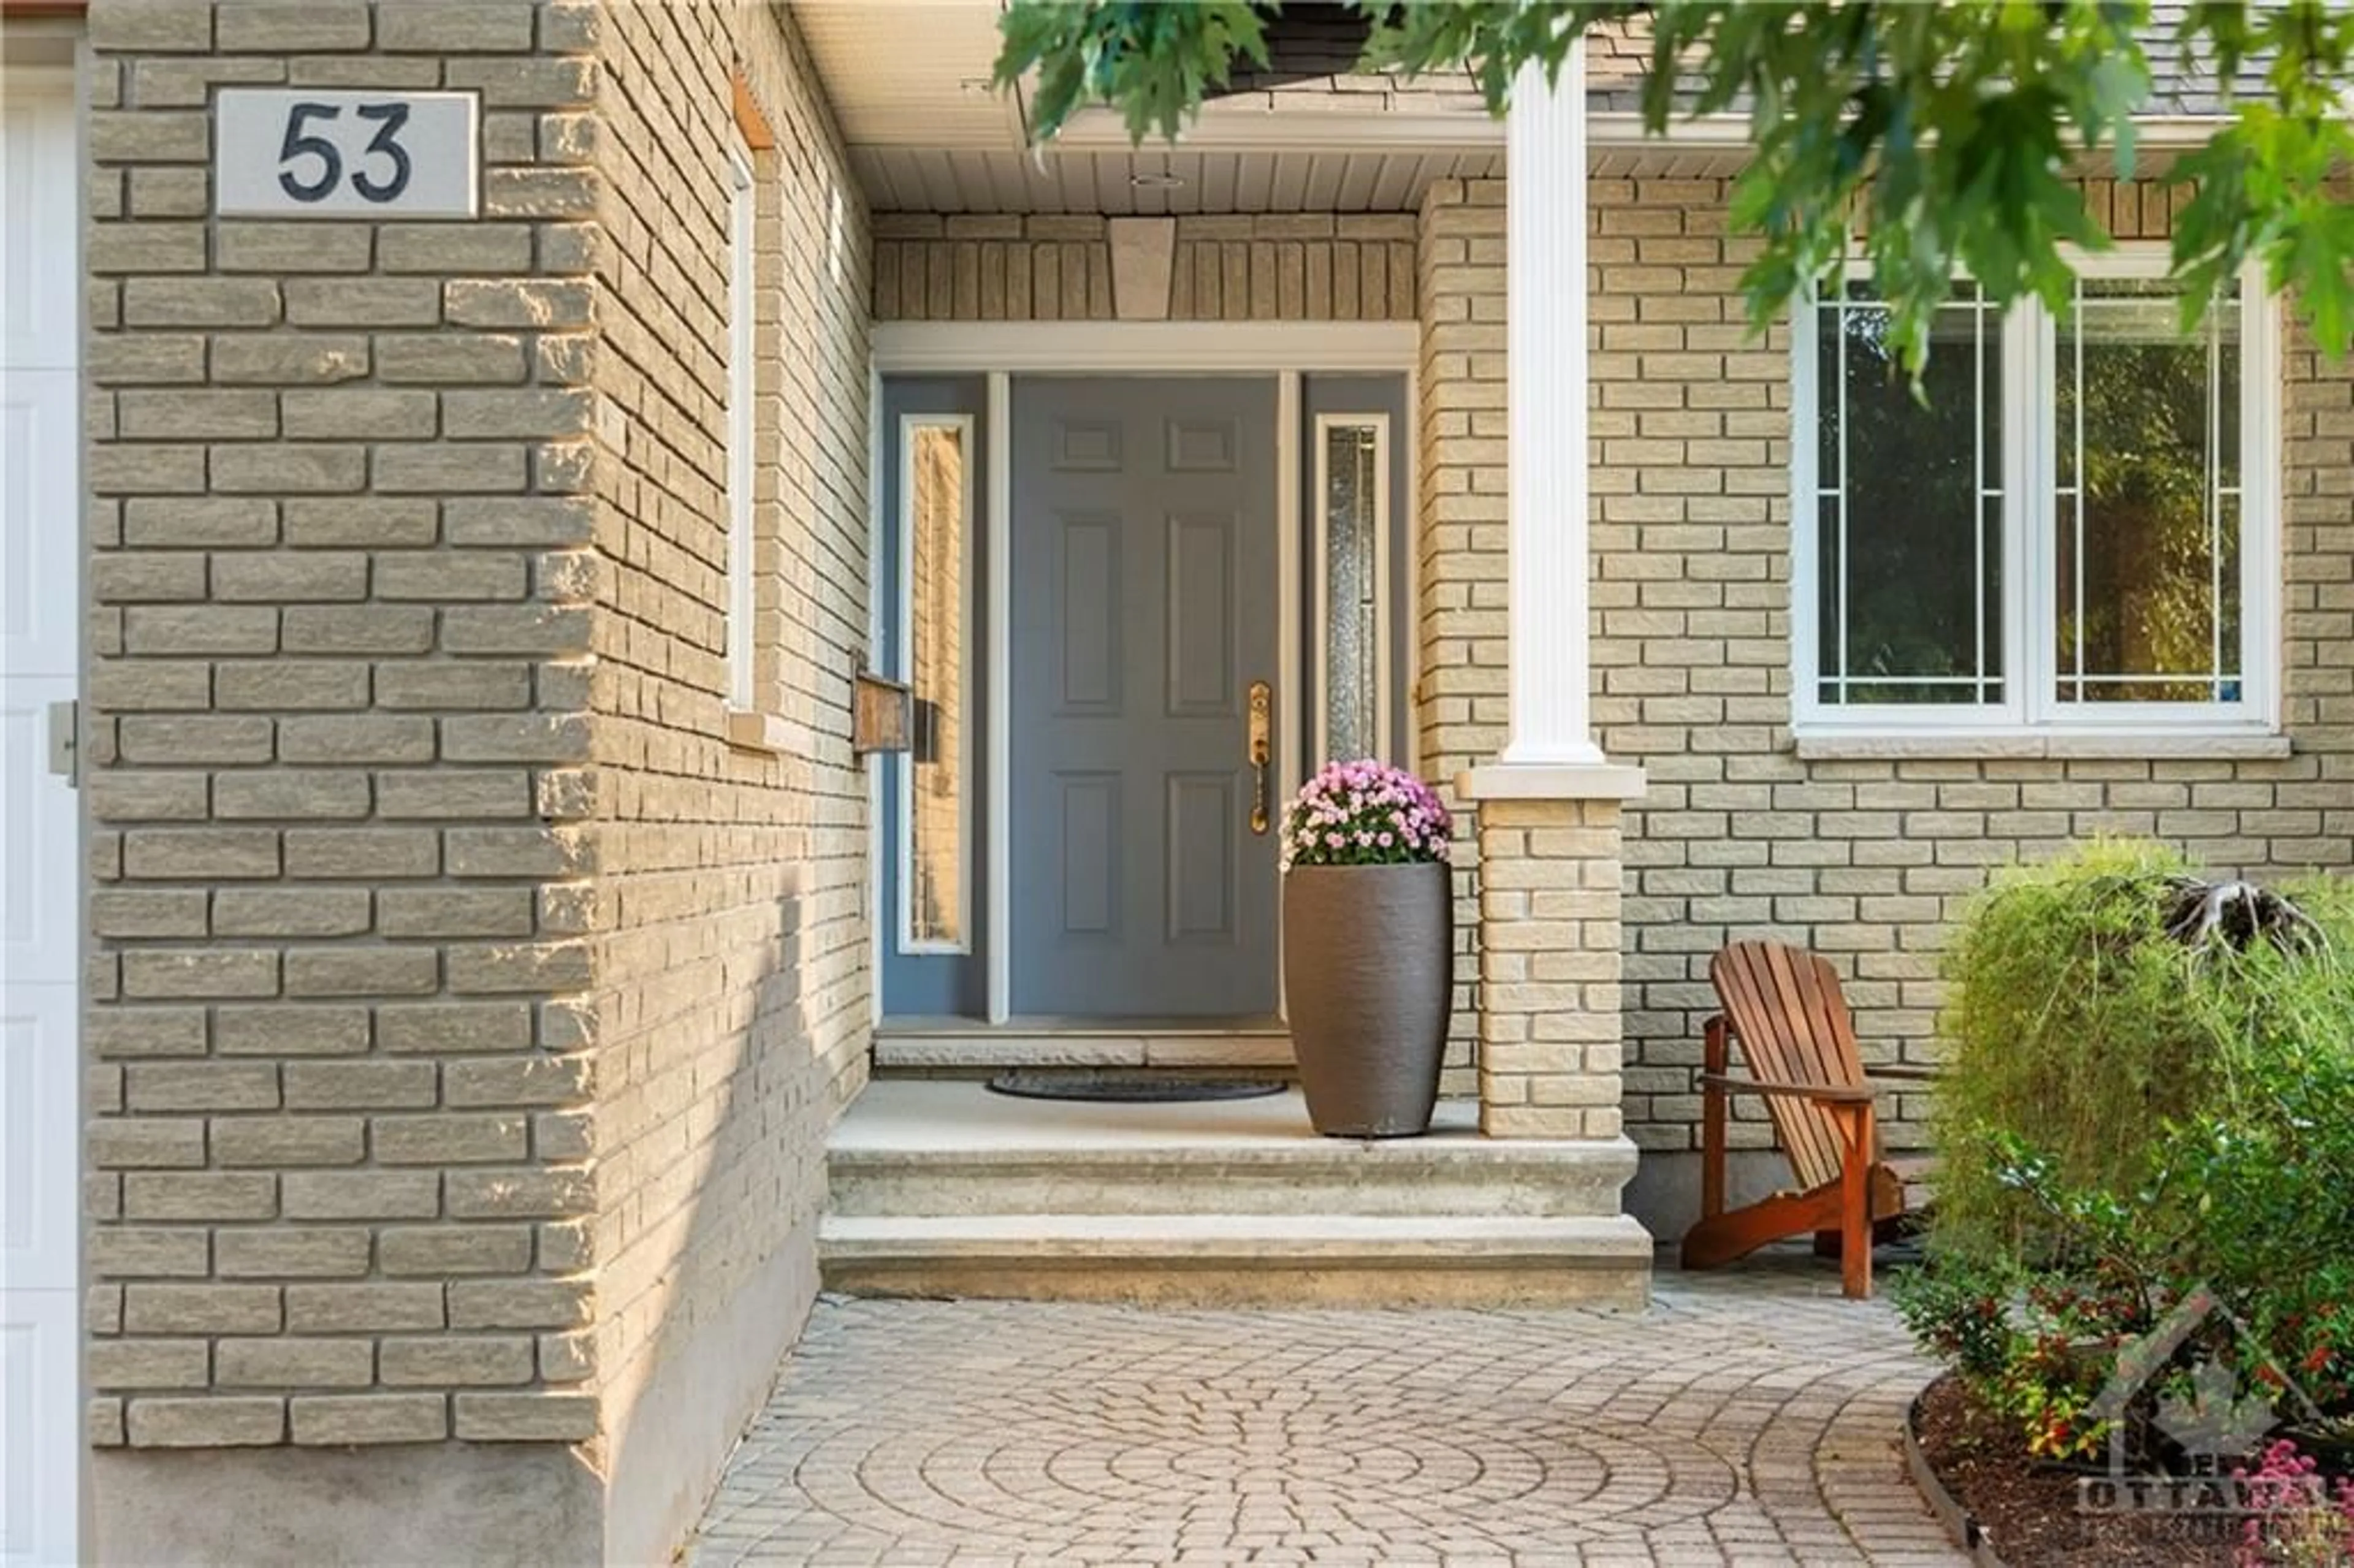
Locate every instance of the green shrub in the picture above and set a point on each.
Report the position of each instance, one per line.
(2068, 1024)
(2079, 1028)
(2252, 1206)
(2150, 1102)
(1959, 1313)
(2257, 1202)
(2036, 1351)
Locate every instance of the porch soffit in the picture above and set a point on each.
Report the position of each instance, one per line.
(909, 83)
(1156, 182)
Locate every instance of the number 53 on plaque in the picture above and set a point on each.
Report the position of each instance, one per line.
(303, 154)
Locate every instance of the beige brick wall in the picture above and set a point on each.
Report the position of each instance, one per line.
(1459, 553)
(468, 1010)
(1866, 861)
(1459, 556)
(1242, 267)
(337, 1164)
(731, 905)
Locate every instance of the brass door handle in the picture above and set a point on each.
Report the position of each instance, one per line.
(1262, 701)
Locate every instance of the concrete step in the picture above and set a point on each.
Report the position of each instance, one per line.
(1219, 1260)
(1435, 1178)
(945, 1149)
(921, 1046)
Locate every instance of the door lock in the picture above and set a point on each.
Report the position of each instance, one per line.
(1262, 702)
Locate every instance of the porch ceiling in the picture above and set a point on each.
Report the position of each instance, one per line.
(908, 80)
(1120, 183)
(903, 72)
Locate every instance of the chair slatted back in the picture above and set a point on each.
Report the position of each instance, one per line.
(1793, 1027)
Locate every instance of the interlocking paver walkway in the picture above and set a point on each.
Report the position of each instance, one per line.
(1749, 1417)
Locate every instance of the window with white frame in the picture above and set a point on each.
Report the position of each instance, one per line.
(741, 235)
(2074, 528)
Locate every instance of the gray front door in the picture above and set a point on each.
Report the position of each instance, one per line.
(1144, 607)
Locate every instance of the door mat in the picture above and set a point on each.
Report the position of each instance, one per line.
(1138, 1089)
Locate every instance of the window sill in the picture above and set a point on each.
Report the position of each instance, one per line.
(2089, 746)
(769, 733)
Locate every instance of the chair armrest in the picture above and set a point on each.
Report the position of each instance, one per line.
(1822, 1094)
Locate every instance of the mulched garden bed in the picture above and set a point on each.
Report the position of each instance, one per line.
(2031, 1513)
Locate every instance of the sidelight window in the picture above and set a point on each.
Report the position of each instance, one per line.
(1352, 556)
(738, 618)
(936, 503)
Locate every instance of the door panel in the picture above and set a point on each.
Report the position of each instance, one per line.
(1085, 603)
(1089, 856)
(1203, 816)
(40, 637)
(1201, 614)
(1145, 603)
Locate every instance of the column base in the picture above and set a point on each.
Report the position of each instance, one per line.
(1551, 781)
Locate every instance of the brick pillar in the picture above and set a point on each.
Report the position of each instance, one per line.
(1549, 936)
(337, 705)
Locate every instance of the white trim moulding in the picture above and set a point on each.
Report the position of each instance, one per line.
(1956, 744)
(1230, 128)
(871, 896)
(1157, 348)
(1607, 130)
(1289, 712)
(999, 572)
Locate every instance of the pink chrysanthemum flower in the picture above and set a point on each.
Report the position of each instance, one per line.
(1365, 813)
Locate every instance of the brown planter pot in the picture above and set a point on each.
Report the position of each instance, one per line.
(1369, 979)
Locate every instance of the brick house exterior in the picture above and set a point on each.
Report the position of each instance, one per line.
(469, 987)
(467, 1011)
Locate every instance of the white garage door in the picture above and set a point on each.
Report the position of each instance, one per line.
(40, 530)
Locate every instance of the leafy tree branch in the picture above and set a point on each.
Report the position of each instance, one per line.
(1933, 138)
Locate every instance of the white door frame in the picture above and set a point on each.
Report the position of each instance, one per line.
(49, 1302)
(1000, 350)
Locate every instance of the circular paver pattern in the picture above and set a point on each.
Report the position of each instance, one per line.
(1747, 1417)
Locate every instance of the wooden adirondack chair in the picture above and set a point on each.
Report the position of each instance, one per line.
(1783, 1004)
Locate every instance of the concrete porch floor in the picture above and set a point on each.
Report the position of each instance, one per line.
(1747, 1417)
(922, 1116)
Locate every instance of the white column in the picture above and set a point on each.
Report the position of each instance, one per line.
(1546, 384)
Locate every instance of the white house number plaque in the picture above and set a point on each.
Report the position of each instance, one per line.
(304, 154)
